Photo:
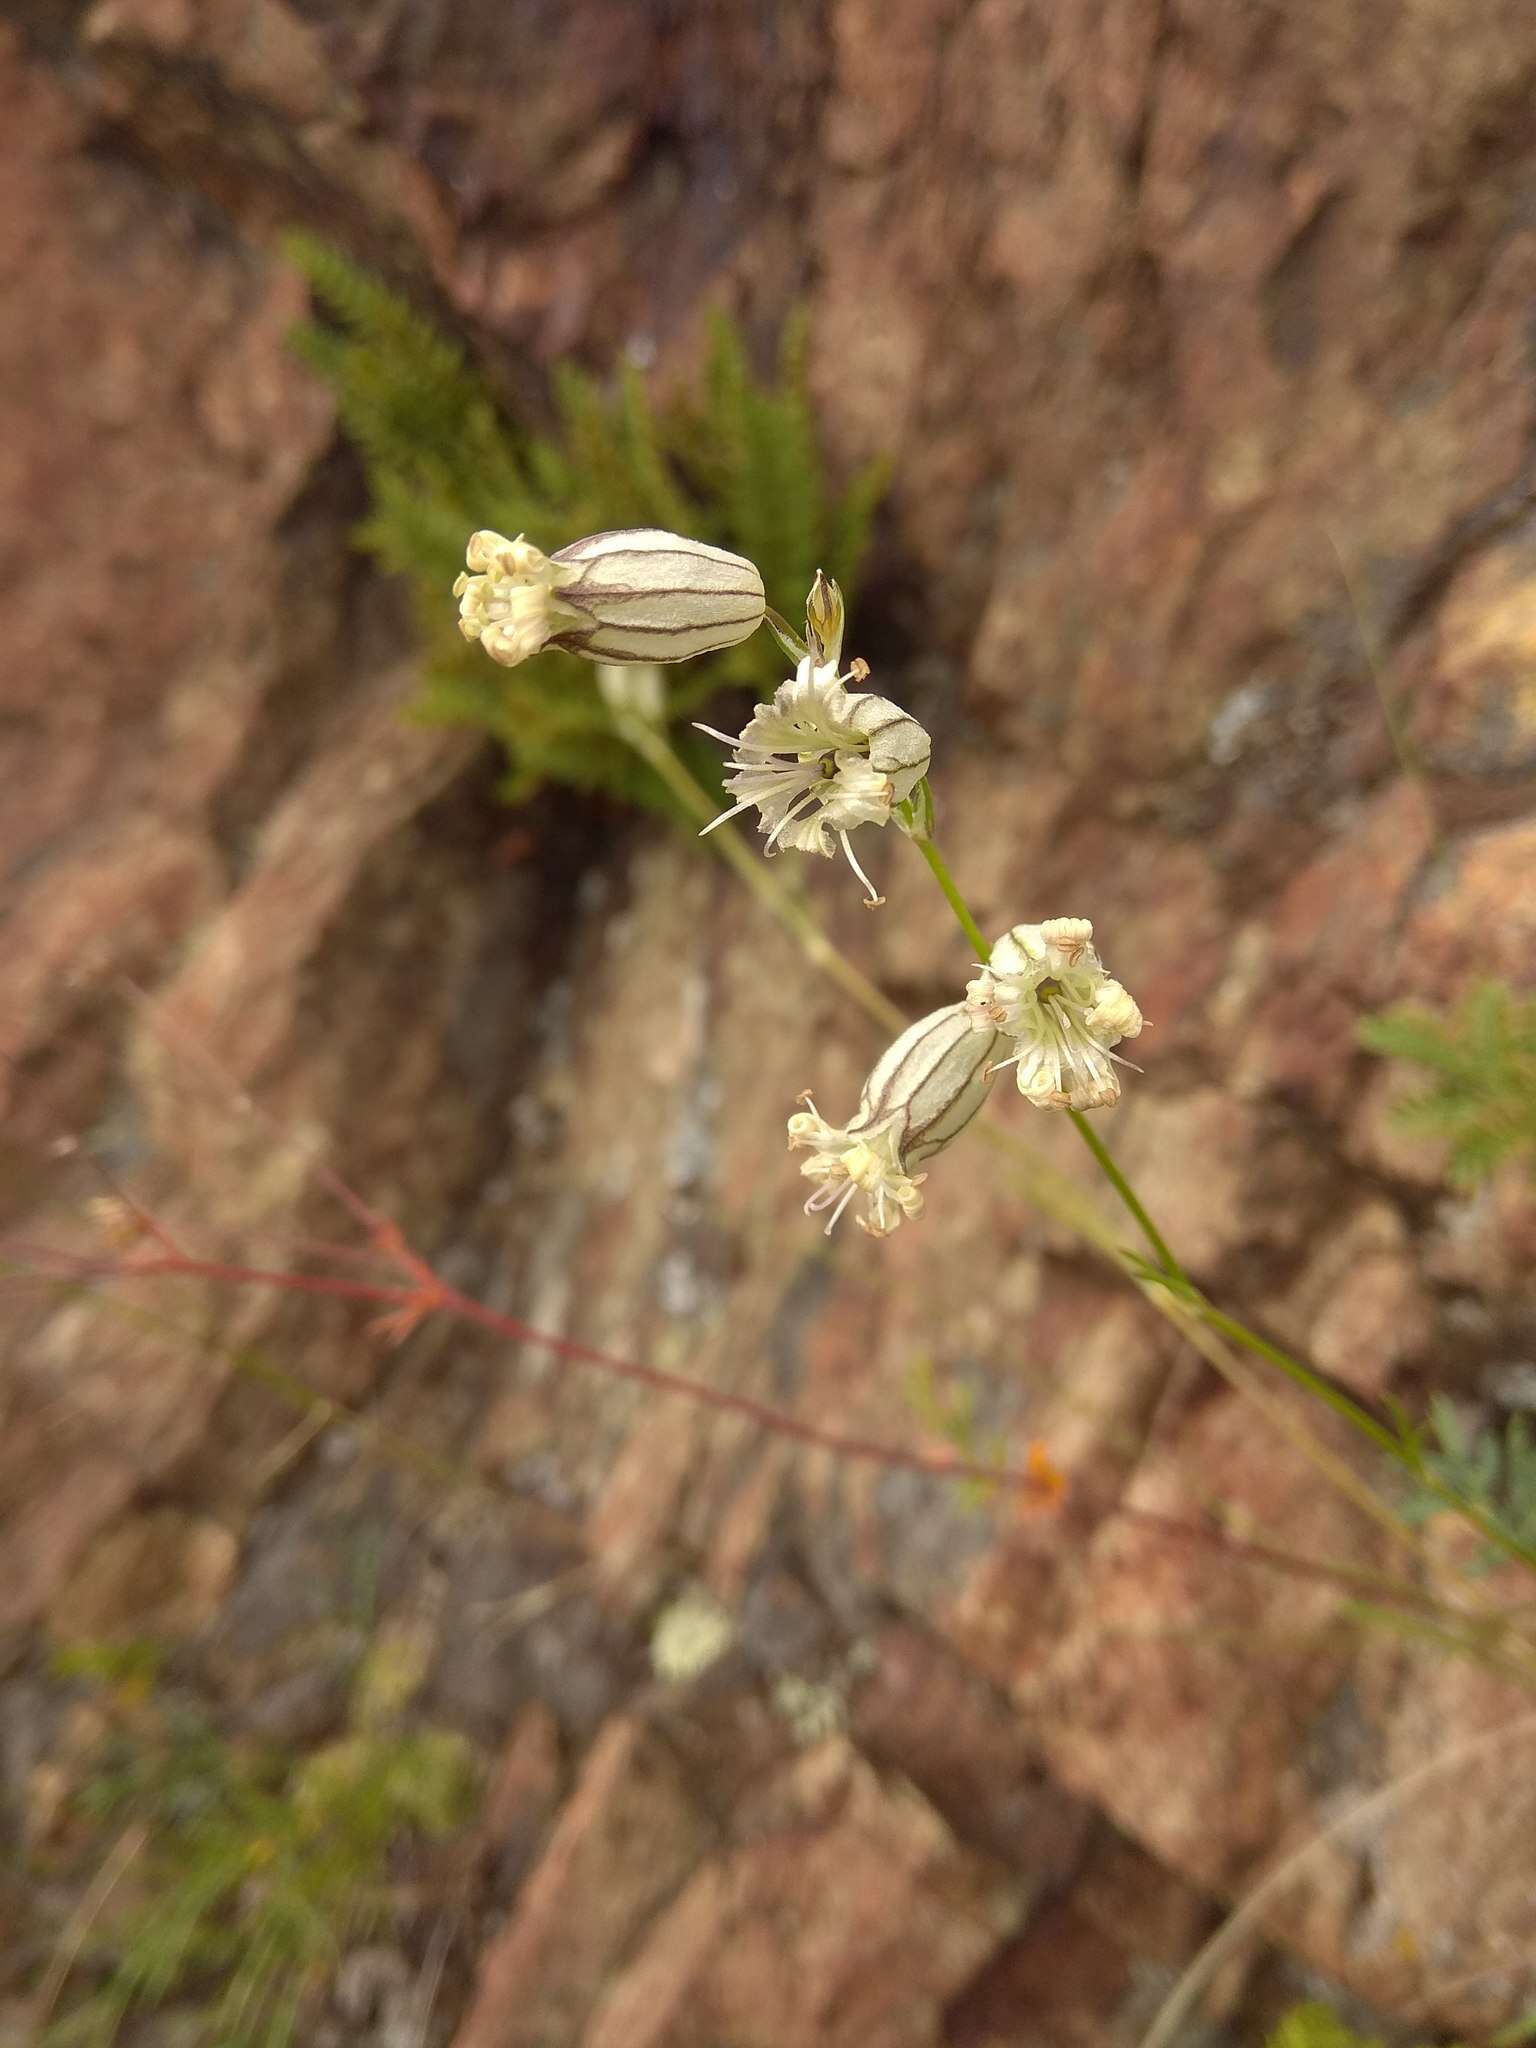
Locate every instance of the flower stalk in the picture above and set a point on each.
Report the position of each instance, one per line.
(875, 1153)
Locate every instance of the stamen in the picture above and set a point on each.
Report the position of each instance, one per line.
(848, 1194)
(795, 810)
(747, 803)
(873, 899)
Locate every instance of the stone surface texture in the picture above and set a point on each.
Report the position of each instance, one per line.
(1199, 340)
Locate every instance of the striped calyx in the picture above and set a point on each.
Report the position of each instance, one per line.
(937, 1074)
(638, 595)
(644, 595)
(923, 1091)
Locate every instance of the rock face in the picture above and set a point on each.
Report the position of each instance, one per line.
(1199, 341)
(842, 1910)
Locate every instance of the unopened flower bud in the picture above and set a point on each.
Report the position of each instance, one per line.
(824, 621)
(923, 1091)
(638, 595)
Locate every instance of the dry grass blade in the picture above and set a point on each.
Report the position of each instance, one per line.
(123, 1852)
(1180, 2002)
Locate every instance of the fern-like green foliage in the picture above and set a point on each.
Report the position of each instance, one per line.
(1480, 1067)
(1493, 1474)
(255, 1868)
(735, 462)
(1315, 2026)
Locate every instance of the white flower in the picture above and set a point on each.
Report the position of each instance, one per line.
(1045, 988)
(636, 595)
(865, 1155)
(923, 1091)
(822, 759)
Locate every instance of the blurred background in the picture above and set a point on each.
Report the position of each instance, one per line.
(1159, 379)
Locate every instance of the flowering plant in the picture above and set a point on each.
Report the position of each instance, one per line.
(824, 757)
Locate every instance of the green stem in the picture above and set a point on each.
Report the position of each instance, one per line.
(1303, 1375)
(1182, 1302)
(1359, 1418)
(1320, 1389)
(1103, 1157)
(955, 900)
(1128, 1195)
(653, 746)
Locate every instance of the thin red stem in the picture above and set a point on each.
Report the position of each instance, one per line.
(432, 1295)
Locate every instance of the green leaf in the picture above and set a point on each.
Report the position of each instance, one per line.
(1481, 1063)
(1490, 1478)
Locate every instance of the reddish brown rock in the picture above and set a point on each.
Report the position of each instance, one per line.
(1472, 709)
(920, 1710)
(1321, 952)
(1181, 1692)
(1485, 1237)
(1360, 1309)
(1087, 1972)
(160, 1575)
(846, 1914)
(242, 100)
(50, 1523)
(1159, 322)
(1378, 1139)
(226, 1020)
(1460, 1744)
(1476, 919)
(1188, 1157)
(521, 1798)
(101, 1402)
(624, 1842)
(144, 572)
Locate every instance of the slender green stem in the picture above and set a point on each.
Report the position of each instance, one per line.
(1103, 1157)
(1182, 1303)
(1183, 1287)
(1128, 1195)
(1282, 1415)
(955, 900)
(653, 746)
(1359, 1418)
(656, 749)
(1478, 1643)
